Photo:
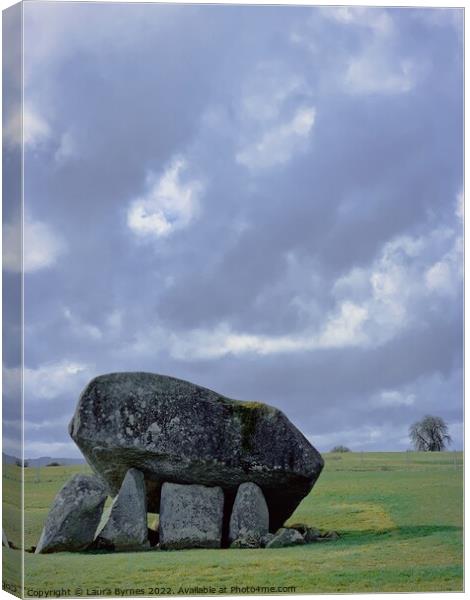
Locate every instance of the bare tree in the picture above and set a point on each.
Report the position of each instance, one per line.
(430, 434)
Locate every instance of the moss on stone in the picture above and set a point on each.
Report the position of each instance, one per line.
(248, 414)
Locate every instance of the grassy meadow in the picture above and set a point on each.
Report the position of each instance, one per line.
(400, 518)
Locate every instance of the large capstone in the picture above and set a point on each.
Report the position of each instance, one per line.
(126, 527)
(190, 516)
(175, 431)
(250, 516)
(74, 517)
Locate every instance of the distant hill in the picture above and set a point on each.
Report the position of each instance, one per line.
(42, 461)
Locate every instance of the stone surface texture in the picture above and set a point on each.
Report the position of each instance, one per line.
(266, 539)
(310, 534)
(126, 528)
(190, 516)
(74, 516)
(247, 541)
(250, 516)
(285, 537)
(173, 430)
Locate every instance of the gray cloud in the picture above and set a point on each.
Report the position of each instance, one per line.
(321, 271)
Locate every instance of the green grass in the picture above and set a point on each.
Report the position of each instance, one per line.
(400, 518)
(11, 516)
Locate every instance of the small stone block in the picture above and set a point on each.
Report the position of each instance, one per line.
(190, 516)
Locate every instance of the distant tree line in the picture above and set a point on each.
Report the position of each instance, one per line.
(340, 448)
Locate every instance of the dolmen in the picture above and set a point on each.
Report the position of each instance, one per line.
(219, 472)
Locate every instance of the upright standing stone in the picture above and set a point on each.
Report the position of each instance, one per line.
(190, 516)
(250, 516)
(75, 514)
(126, 528)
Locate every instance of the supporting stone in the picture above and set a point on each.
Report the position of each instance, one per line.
(310, 534)
(190, 516)
(266, 539)
(250, 516)
(126, 528)
(285, 537)
(75, 514)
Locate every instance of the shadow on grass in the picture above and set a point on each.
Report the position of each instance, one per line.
(347, 538)
(369, 536)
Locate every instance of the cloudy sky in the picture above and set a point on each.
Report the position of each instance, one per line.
(266, 201)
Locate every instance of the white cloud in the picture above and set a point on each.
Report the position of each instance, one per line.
(109, 330)
(372, 73)
(274, 118)
(213, 343)
(403, 277)
(372, 304)
(266, 93)
(375, 19)
(35, 128)
(11, 381)
(81, 328)
(277, 144)
(355, 283)
(168, 206)
(439, 277)
(391, 398)
(48, 381)
(206, 344)
(345, 328)
(67, 148)
(445, 276)
(378, 66)
(41, 245)
(369, 322)
(36, 131)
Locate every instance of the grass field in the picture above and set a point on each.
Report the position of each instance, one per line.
(399, 515)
